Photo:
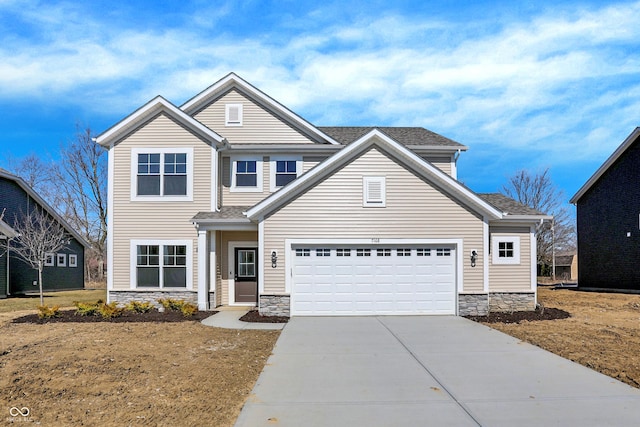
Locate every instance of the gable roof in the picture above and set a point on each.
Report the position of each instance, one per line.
(403, 155)
(409, 136)
(606, 165)
(35, 196)
(151, 109)
(233, 81)
(6, 230)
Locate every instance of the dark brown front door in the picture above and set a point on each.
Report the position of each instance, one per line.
(246, 275)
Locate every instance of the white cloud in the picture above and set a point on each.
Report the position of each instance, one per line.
(551, 83)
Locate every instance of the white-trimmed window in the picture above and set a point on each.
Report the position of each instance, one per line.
(161, 264)
(246, 174)
(61, 260)
(50, 260)
(505, 249)
(233, 115)
(283, 170)
(373, 191)
(73, 260)
(162, 174)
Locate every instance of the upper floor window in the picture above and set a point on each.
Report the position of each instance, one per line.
(505, 249)
(246, 174)
(233, 115)
(284, 170)
(162, 174)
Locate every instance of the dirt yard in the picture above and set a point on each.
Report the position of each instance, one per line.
(127, 374)
(603, 332)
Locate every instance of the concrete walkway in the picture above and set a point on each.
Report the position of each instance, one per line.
(426, 371)
(230, 319)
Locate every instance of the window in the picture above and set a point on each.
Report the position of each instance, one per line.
(323, 252)
(73, 260)
(506, 249)
(403, 252)
(246, 175)
(50, 260)
(161, 174)
(233, 115)
(383, 252)
(443, 252)
(343, 252)
(423, 252)
(303, 252)
(373, 191)
(283, 171)
(61, 260)
(363, 252)
(160, 265)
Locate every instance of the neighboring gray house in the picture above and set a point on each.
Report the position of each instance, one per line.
(608, 221)
(64, 270)
(233, 199)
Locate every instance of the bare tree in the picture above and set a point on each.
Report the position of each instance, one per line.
(538, 192)
(82, 178)
(38, 174)
(39, 236)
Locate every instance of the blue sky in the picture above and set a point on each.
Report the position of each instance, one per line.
(526, 85)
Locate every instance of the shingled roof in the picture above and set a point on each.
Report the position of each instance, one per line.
(408, 136)
(508, 205)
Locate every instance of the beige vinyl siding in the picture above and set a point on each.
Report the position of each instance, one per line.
(441, 162)
(222, 288)
(244, 198)
(258, 125)
(156, 220)
(309, 162)
(333, 209)
(510, 277)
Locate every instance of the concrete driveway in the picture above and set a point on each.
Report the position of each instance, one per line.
(426, 371)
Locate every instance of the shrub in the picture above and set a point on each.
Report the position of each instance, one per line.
(46, 312)
(171, 304)
(87, 308)
(139, 307)
(187, 309)
(109, 311)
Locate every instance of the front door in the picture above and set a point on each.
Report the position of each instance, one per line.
(246, 275)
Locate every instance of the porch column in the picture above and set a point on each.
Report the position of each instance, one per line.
(213, 270)
(203, 294)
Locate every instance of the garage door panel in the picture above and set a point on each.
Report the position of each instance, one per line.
(390, 280)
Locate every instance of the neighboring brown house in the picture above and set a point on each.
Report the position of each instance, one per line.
(608, 221)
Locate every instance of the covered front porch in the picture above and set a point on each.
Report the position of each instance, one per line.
(227, 258)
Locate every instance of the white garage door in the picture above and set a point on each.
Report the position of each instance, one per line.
(361, 280)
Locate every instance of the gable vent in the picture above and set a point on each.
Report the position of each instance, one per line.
(373, 191)
(233, 115)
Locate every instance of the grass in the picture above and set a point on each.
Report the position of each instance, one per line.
(61, 298)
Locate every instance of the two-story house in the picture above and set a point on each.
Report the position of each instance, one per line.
(233, 199)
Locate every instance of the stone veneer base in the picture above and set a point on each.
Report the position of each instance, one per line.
(124, 297)
(275, 305)
(473, 304)
(512, 301)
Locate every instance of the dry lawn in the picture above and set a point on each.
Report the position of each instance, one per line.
(602, 334)
(121, 374)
